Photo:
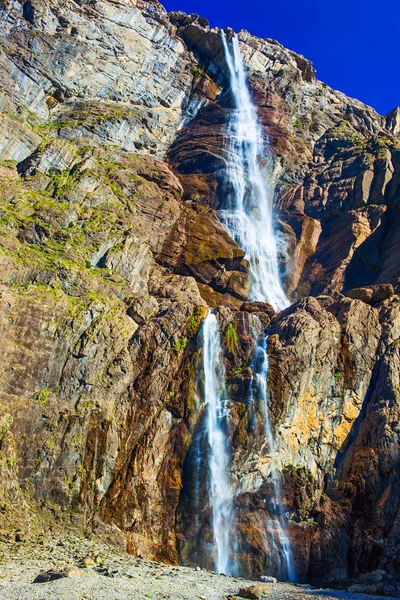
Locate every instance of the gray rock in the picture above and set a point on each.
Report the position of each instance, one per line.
(268, 579)
(54, 574)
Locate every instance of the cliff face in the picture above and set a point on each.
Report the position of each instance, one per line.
(112, 169)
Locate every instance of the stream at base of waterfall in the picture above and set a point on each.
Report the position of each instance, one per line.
(248, 216)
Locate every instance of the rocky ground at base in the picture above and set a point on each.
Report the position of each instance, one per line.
(73, 568)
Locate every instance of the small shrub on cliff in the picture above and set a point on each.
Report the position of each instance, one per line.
(180, 344)
(199, 313)
(42, 396)
(231, 339)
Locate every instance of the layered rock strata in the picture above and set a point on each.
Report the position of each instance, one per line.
(113, 144)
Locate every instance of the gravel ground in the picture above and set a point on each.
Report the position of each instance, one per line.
(118, 576)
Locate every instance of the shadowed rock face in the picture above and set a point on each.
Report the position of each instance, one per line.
(113, 121)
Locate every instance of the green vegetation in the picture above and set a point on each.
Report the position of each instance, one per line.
(180, 344)
(42, 396)
(195, 70)
(348, 133)
(231, 338)
(196, 320)
(7, 421)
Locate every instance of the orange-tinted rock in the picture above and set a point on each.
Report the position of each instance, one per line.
(200, 246)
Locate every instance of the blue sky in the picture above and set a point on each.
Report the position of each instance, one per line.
(353, 44)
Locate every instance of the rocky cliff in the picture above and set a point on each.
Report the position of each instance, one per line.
(113, 119)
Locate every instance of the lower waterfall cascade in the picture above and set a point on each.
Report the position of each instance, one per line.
(248, 216)
(219, 486)
(280, 542)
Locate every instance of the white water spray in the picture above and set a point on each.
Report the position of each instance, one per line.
(284, 559)
(248, 216)
(220, 490)
(248, 212)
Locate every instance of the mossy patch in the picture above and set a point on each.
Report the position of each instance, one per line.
(231, 338)
(199, 314)
(42, 396)
(180, 344)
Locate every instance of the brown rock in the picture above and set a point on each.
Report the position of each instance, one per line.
(254, 592)
(258, 307)
(88, 561)
(201, 247)
(203, 84)
(73, 572)
(372, 294)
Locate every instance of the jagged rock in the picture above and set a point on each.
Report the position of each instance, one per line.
(378, 583)
(393, 121)
(18, 140)
(102, 75)
(54, 574)
(373, 294)
(207, 43)
(258, 307)
(206, 86)
(201, 247)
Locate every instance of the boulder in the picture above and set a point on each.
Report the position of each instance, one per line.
(54, 574)
(88, 561)
(254, 592)
(268, 579)
(377, 583)
(258, 307)
(372, 294)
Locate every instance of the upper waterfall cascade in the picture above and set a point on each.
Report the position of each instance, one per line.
(248, 213)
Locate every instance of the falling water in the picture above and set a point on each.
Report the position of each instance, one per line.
(283, 553)
(248, 216)
(248, 211)
(220, 491)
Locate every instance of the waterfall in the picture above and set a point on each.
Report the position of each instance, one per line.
(248, 216)
(220, 494)
(282, 549)
(248, 212)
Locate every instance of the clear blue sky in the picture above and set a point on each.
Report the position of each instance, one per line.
(354, 44)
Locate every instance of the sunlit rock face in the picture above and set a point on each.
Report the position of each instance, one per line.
(113, 159)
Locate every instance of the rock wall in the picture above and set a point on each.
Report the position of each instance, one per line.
(112, 154)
